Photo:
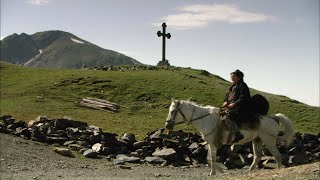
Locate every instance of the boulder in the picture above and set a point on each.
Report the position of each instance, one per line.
(90, 153)
(63, 151)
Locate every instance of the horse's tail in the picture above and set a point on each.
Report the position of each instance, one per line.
(285, 123)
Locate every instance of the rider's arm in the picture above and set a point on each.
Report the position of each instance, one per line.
(243, 95)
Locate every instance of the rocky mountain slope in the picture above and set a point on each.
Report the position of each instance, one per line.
(58, 49)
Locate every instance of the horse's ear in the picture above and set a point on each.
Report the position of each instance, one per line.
(189, 99)
(172, 99)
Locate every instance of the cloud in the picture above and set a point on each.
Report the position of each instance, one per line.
(2, 37)
(38, 2)
(200, 15)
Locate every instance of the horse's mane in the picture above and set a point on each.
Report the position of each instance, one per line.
(212, 108)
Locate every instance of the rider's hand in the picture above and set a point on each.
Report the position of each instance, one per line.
(225, 104)
(231, 105)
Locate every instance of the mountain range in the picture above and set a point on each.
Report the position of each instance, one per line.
(58, 49)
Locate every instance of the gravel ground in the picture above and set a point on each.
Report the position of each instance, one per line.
(26, 159)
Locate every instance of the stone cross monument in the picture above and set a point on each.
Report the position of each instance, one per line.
(164, 62)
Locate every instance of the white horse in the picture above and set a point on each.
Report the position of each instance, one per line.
(208, 122)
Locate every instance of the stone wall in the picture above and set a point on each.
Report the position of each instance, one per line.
(178, 148)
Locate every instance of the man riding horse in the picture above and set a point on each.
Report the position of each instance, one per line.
(236, 106)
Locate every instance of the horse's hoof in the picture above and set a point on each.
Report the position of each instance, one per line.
(212, 173)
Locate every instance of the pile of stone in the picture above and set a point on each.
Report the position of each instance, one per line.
(177, 148)
(132, 68)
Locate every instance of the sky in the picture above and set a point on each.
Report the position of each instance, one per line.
(274, 42)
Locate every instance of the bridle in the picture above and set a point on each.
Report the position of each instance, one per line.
(185, 120)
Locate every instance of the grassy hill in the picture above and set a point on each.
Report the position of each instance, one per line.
(144, 96)
(58, 49)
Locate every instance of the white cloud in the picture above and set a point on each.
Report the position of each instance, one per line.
(38, 2)
(200, 15)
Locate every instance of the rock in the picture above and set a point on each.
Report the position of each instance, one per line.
(118, 162)
(75, 147)
(90, 153)
(300, 158)
(235, 161)
(23, 131)
(125, 167)
(97, 147)
(130, 138)
(165, 153)
(60, 124)
(82, 150)
(294, 150)
(193, 146)
(7, 120)
(94, 128)
(106, 151)
(4, 130)
(67, 143)
(37, 120)
(309, 138)
(12, 126)
(155, 160)
(95, 138)
(157, 134)
(53, 139)
(125, 158)
(37, 135)
(82, 143)
(139, 144)
(63, 151)
(235, 148)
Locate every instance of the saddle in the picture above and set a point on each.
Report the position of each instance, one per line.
(248, 123)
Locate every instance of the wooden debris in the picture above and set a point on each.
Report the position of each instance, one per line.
(99, 104)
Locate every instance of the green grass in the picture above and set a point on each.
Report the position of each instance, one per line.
(144, 96)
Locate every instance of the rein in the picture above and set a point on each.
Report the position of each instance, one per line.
(184, 117)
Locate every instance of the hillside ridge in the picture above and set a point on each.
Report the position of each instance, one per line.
(143, 92)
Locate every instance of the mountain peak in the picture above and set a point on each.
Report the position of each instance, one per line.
(58, 49)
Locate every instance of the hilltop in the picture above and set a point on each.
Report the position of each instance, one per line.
(143, 92)
(58, 49)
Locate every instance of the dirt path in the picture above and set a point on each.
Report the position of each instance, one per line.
(26, 159)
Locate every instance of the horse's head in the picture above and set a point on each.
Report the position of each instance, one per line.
(174, 116)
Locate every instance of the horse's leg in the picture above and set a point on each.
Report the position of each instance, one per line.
(213, 156)
(271, 144)
(257, 153)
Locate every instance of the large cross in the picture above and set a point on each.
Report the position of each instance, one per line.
(164, 36)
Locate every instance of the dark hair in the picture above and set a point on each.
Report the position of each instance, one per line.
(238, 73)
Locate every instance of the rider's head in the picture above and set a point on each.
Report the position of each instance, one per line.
(236, 76)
